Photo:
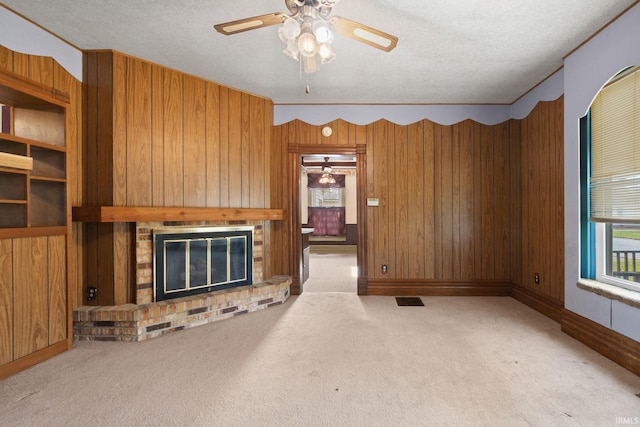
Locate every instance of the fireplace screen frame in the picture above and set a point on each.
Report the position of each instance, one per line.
(162, 236)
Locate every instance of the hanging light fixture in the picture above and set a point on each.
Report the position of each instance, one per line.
(307, 31)
(327, 177)
(308, 34)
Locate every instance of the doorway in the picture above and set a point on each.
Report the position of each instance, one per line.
(329, 219)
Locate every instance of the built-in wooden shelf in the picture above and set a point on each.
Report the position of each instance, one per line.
(143, 214)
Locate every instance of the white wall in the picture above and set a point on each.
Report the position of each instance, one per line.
(585, 72)
(20, 35)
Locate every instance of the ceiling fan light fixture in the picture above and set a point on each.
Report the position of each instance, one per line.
(292, 50)
(307, 44)
(308, 31)
(290, 28)
(326, 54)
(322, 32)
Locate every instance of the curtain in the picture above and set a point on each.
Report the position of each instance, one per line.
(327, 221)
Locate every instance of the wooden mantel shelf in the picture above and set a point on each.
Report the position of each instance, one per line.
(143, 214)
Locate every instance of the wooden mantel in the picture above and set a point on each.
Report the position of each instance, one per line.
(149, 214)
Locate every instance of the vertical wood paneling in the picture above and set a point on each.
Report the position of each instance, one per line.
(224, 148)
(6, 58)
(401, 202)
(541, 245)
(31, 295)
(463, 199)
(6, 300)
(446, 204)
(501, 197)
(429, 199)
(558, 205)
(41, 69)
(213, 145)
(478, 185)
(122, 268)
(515, 197)
(245, 151)
(120, 115)
(544, 194)
(101, 181)
(488, 194)
(195, 147)
(381, 191)
(235, 159)
(103, 277)
(455, 192)
(157, 136)
(466, 200)
(416, 191)
(57, 273)
(138, 153)
(21, 64)
(258, 177)
(173, 139)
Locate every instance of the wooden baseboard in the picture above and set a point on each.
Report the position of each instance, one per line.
(611, 344)
(549, 307)
(32, 359)
(429, 287)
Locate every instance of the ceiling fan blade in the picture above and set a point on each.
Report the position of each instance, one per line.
(241, 25)
(364, 33)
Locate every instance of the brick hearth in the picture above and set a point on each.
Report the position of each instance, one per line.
(131, 322)
(147, 318)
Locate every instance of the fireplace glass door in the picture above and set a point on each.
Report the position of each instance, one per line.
(196, 262)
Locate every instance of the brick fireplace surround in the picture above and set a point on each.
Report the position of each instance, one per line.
(149, 319)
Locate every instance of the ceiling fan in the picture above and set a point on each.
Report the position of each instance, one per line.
(308, 29)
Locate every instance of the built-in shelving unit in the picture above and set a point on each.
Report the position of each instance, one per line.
(35, 222)
(33, 157)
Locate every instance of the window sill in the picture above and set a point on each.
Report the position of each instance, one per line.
(625, 296)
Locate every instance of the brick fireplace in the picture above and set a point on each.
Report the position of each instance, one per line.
(148, 318)
(144, 250)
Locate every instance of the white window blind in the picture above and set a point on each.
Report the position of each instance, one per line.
(615, 152)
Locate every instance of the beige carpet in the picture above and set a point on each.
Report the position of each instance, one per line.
(332, 272)
(335, 359)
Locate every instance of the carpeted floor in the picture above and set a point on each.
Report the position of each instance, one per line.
(335, 359)
(332, 272)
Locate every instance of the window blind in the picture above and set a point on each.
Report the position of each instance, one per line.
(615, 152)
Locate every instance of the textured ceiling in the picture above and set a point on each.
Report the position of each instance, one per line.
(465, 51)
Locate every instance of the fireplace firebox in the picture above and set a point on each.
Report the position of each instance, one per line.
(189, 261)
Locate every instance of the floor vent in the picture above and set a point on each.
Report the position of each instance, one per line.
(409, 302)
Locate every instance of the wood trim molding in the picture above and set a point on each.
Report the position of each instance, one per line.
(140, 214)
(434, 287)
(541, 303)
(29, 91)
(611, 344)
(33, 359)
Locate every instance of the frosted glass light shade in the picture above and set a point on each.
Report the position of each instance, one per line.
(290, 28)
(322, 32)
(307, 45)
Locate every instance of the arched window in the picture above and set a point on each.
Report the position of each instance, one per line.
(612, 165)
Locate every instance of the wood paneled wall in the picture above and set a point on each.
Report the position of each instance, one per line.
(159, 137)
(538, 202)
(444, 201)
(463, 209)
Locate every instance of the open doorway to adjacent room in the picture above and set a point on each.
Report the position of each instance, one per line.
(329, 214)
